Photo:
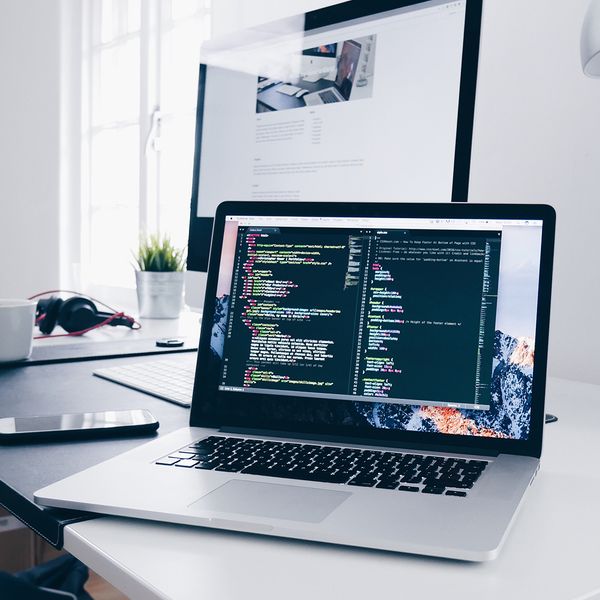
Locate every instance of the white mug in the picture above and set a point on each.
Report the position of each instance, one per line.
(17, 318)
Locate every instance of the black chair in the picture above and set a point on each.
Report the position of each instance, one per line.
(62, 578)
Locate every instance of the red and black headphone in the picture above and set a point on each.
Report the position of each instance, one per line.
(76, 315)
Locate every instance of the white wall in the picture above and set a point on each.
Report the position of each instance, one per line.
(537, 139)
(229, 15)
(29, 146)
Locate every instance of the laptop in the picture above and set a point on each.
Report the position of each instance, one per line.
(370, 375)
(342, 86)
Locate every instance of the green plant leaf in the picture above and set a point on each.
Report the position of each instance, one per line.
(156, 253)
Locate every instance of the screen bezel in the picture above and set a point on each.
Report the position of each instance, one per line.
(200, 227)
(207, 399)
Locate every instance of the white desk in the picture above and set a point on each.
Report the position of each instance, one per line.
(553, 551)
(187, 325)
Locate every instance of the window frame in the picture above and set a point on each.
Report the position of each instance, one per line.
(155, 23)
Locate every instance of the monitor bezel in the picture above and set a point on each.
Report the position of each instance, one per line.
(207, 399)
(200, 227)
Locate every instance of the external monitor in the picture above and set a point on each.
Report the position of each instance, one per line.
(401, 133)
(323, 51)
(318, 62)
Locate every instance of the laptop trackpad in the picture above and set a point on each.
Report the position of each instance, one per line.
(272, 500)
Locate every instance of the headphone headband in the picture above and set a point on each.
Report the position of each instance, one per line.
(76, 315)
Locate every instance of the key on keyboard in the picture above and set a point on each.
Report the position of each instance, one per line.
(328, 97)
(329, 464)
(171, 380)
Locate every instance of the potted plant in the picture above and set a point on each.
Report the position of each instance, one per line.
(159, 278)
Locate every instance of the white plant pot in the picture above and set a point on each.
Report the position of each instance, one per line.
(160, 295)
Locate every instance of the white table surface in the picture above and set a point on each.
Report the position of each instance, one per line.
(553, 551)
(187, 325)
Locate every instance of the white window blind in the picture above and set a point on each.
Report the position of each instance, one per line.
(140, 85)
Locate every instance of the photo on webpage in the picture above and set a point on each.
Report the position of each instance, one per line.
(326, 74)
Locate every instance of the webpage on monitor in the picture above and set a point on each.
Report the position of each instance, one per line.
(389, 136)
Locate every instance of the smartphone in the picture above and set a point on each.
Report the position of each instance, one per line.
(77, 425)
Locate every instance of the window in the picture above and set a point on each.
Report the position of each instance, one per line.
(140, 74)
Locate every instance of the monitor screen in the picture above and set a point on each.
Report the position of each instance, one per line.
(324, 50)
(407, 324)
(347, 66)
(357, 102)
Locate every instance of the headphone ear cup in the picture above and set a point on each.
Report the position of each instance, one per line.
(49, 307)
(77, 314)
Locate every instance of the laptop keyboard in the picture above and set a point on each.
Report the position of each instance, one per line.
(328, 97)
(329, 464)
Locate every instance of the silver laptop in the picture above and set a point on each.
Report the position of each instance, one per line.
(344, 80)
(365, 376)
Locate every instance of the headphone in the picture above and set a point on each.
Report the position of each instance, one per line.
(76, 315)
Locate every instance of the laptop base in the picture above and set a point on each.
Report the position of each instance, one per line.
(472, 528)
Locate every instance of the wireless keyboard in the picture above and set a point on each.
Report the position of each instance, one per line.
(171, 380)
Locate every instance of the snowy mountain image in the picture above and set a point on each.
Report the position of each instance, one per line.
(219, 325)
(510, 405)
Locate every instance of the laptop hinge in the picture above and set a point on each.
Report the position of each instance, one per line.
(357, 440)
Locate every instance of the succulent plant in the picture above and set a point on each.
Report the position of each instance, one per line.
(157, 254)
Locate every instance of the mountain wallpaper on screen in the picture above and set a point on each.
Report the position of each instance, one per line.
(510, 405)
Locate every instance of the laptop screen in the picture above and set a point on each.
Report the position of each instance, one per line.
(411, 324)
(346, 68)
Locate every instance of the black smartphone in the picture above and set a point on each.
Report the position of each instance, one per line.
(77, 425)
